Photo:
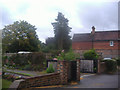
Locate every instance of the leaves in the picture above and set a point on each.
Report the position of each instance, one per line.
(61, 31)
(20, 36)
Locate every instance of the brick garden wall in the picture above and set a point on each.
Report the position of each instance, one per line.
(44, 80)
(62, 68)
(57, 78)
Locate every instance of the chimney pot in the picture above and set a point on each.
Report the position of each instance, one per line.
(93, 30)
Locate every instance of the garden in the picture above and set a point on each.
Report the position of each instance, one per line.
(31, 62)
(37, 62)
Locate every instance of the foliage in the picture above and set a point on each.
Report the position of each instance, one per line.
(91, 54)
(6, 83)
(4, 60)
(20, 36)
(50, 69)
(18, 59)
(27, 67)
(118, 61)
(61, 56)
(70, 55)
(111, 65)
(61, 31)
(30, 61)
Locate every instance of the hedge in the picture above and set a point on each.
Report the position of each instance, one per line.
(111, 65)
(28, 61)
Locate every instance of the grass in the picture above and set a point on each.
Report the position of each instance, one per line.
(5, 83)
(43, 72)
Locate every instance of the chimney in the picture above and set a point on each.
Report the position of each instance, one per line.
(93, 30)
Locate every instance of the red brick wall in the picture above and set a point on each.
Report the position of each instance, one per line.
(48, 79)
(82, 45)
(62, 68)
(102, 47)
(105, 45)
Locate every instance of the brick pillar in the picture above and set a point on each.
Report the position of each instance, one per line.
(62, 68)
(98, 67)
(78, 70)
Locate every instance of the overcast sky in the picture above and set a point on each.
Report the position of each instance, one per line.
(82, 14)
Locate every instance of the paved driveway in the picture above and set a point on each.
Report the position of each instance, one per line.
(98, 81)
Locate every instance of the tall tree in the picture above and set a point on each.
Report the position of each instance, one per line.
(61, 31)
(20, 36)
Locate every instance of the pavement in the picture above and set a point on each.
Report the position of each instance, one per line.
(97, 81)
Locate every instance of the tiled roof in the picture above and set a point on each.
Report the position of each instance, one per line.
(99, 35)
(82, 37)
(106, 35)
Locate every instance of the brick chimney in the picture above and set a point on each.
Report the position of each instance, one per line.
(93, 30)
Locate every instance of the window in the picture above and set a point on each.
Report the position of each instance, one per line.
(111, 43)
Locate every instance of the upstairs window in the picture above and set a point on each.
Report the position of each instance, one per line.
(111, 43)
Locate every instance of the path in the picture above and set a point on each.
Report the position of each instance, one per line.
(33, 73)
(98, 81)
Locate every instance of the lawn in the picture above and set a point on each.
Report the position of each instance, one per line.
(6, 83)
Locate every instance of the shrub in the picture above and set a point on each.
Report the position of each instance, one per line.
(118, 61)
(26, 61)
(36, 58)
(50, 69)
(66, 56)
(91, 54)
(27, 67)
(4, 60)
(70, 55)
(111, 65)
(61, 56)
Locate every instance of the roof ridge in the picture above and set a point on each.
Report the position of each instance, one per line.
(108, 31)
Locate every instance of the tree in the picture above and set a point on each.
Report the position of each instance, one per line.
(20, 36)
(61, 31)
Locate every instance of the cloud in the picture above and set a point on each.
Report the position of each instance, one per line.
(82, 15)
(101, 15)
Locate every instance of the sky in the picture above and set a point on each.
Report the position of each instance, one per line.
(82, 14)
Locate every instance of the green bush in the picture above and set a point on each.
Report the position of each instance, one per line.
(70, 55)
(4, 58)
(118, 61)
(28, 61)
(50, 69)
(91, 54)
(111, 65)
(27, 67)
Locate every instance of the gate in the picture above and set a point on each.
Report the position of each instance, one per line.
(72, 71)
(88, 66)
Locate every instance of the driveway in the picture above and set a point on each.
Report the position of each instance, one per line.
(98, 81)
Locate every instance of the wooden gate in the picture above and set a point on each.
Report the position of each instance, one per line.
(88, 66)
(72, 71)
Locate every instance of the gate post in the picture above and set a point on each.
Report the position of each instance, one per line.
(78, 70)
(98, 67)
(62, 68)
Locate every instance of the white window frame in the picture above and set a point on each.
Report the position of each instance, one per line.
(111, 43)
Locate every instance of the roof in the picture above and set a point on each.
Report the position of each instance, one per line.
(82, 37)
(98, 36)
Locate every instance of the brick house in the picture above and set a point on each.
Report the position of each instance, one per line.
(106, 43)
